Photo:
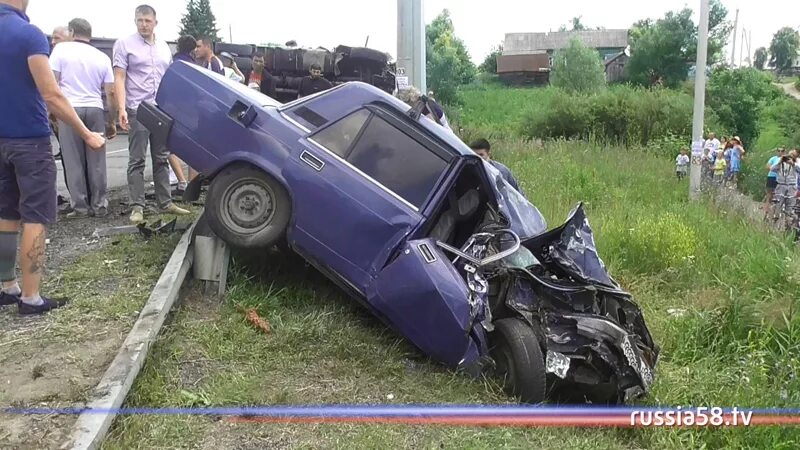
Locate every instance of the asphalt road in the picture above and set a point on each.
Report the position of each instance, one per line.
(116, 164)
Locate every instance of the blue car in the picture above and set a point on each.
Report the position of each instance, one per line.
(407, 219)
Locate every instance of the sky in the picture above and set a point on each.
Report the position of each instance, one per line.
(481, 24)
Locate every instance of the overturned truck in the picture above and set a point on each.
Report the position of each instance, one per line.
(288, 65)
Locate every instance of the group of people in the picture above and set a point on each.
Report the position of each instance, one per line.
(783, 179)
(721, 161)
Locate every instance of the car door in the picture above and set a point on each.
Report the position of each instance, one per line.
(358, 187)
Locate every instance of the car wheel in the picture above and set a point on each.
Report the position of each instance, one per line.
(518, 359)
(248, 208)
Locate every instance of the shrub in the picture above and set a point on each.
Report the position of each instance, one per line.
(577, 68)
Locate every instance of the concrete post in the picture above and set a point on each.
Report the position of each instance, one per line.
(699, 103)
(411, 56)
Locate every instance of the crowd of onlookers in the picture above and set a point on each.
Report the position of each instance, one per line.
(721, 161)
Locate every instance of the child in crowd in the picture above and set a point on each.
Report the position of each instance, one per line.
(708, 164)
(720, 167)
(682, 164)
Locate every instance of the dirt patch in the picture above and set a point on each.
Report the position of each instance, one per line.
(53, 361)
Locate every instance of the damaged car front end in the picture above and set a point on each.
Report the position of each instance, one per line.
(545, 310)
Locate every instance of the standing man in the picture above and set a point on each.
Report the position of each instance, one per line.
(313, 83)
(140, 61)
(60, 34)
(259, 78)
(27, 168)
(772, 176)
(230, 68)
(186, 47)
(205, 55)
(712, 143)
(83, 72)
(484, 150)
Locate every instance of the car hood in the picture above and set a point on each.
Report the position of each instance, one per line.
(524, 218)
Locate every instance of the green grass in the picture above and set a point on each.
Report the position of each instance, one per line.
(734, 344)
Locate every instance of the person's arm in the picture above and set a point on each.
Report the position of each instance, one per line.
(120, 67)
(56, 102)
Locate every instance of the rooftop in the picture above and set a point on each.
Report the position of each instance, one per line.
(517, 43)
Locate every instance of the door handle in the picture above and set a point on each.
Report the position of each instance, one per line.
(315, 163)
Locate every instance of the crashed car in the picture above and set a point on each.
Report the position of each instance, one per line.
(408, 220)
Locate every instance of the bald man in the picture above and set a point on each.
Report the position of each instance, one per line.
(60, 34)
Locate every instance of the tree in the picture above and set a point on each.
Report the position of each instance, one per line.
(448, 61)
(784, 47)
(199, 20)
(577, 68)
(760, 58)
(489, 65)
(577, 25)
(737, 97)
(661, 51)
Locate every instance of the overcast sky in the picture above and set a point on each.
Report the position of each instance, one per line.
(327, 23)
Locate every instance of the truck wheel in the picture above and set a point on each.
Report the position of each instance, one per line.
(247, 208)
(519, 360)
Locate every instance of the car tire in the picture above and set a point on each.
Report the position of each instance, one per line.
(518, 359)
(248, 208)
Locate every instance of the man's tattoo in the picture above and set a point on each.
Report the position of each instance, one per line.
(36, 253)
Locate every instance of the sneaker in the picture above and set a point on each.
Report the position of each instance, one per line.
(8, 299)
(75, 214)
(137, 215)
(174, 209)
(26, 309)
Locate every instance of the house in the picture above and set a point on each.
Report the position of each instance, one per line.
(611, 46)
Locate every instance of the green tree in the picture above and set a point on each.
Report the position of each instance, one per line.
(199, 20)
(760, 58)
(662, 51)
(577, 68)
(738, 96)
(489, 65)
(784, 47)
(448, 63)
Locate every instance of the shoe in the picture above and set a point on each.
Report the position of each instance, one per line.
(101, 212)
(137, 215)
(75, 214)
(26, 309)
(174, 209)
(8, 299)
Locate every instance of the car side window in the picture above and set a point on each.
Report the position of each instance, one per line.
(340, 136)
(397, 161)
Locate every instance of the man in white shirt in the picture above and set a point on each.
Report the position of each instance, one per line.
(712, 143)
(82, 72)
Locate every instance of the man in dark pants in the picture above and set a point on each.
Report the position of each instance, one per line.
(313, 83)
(27, 168)
(484, 150)
(83, 73)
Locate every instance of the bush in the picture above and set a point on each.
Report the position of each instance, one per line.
(577, 68)
(625, 115)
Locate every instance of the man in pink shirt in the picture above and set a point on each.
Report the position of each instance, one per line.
(140, 61)
(82, 72)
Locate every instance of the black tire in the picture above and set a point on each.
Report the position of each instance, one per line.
(519, 360)
(243, 50)
(247, 208)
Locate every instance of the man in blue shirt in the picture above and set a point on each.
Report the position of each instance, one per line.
(27, 168)
(772, 176)
(484, 150)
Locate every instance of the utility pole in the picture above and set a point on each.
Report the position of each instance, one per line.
(411, 45)
(230, 33)
(699, 103)
(735, 26)
(741, 50)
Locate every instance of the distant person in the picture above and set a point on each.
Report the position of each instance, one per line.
(707, 165)
(682, 164)
(260, 79)
(772, 176)
(736, 156)
(186, 47)
(83, 73)
(313, 83)
(712, 143)
(411, 95)
(140, 61)
(206, 57)
(60, 34)
(230, 68)
(720, 165)
(787, 177)
(27, 170)
(484, 150)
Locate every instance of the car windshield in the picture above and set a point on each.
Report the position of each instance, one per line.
(526, 220)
